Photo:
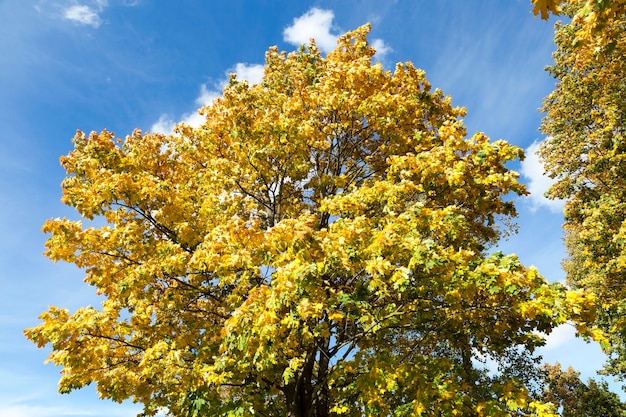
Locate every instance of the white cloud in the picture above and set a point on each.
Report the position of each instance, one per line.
(165, 124)
(560, 336)
(249, 72)
(381, 47)
(538, 182)
(193, 119)
(316, 24)
(84, 15)
(206, 96)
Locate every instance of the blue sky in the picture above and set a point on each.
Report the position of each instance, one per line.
(122, 64)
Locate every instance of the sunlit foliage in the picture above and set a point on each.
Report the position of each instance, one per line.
(586, 153)
(319, 246)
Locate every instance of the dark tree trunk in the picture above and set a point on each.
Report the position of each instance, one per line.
(299, 392)
(321, 401)
(307, 395)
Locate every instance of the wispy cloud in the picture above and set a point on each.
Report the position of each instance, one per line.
(38, 404)
(88, 14)
(38, 411)
(243, 71)
(25, 410)
(538, 183)
(318, 24)
(24, 394)
(84, 15)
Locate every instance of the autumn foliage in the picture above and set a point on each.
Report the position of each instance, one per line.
(585, 152)
(575, 398)
(319, 246)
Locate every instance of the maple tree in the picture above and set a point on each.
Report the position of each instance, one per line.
(585, 152)
(319, 246)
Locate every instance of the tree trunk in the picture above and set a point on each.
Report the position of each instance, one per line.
(299, 392)
(321, 400)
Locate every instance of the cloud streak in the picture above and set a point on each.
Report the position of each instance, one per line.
(36, 405)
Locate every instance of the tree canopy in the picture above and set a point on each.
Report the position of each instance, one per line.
(593, 18)
(574, 398)
(585, 120)
(320, 246)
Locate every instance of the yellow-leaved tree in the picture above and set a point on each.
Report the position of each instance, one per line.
(318, 247)
(585, 151)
